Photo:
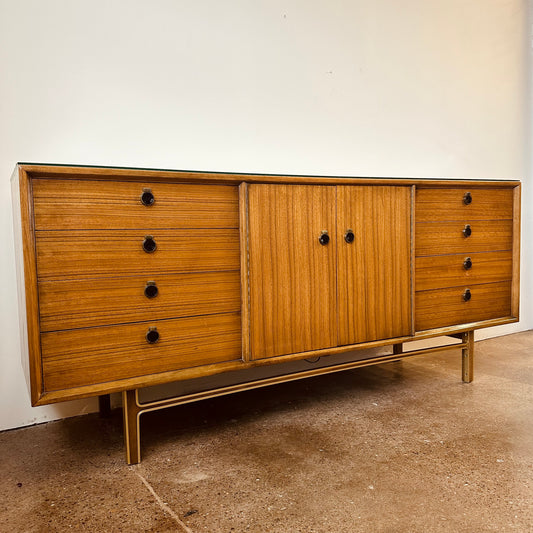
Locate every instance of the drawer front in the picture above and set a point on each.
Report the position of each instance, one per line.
(89, 303)
(452, 204)
(90, 254)
(447, 307)
(442, 271)
(438, 238)
(79, 204)
(97, 355)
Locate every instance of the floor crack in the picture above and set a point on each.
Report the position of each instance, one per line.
(161, 503)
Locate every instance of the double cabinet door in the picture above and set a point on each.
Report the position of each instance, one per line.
(328, 266)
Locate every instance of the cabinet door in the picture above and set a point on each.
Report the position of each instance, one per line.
(374, 270)
(292, 275)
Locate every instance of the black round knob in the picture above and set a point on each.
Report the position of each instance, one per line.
(149, 244)
(467, 263)
(147, 197)
(151, 290)
(349, 236)
(467, 295)
(467, 198)
(467, 231)
(152, 336)
(324, 238)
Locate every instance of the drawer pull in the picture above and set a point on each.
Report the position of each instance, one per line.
(152, 335)
(467, 263)
(349, 236)
(467, 231)
(151, 290)
(147, 197)
(467, 198)
(324, 238)
(467, 295)
(149, 244)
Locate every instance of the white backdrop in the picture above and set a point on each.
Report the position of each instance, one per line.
(430, 88)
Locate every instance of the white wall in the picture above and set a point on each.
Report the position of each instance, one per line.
(360, 88)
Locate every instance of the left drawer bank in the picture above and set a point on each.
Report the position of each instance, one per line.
(124, 278)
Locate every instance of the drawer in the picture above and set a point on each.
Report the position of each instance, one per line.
(92, 254)
(440, 271)
(90, 303)
(449, 204)
(447, 307)
(438, 238)
(84, 204)
(82, 357)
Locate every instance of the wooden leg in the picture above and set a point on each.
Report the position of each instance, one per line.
(397, 349)
(468, 357)
(104, 405)
(132, 440)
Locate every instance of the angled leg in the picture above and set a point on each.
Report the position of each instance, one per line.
(131, 411)
(468, 356)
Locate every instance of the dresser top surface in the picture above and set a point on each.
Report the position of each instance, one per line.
(38, 170)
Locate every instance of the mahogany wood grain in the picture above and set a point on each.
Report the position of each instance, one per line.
(447, 204)
(292, 276)
(28, 300)
(91, 254)
(433, 272)
(245, 291)
(232, 366)
(79, 204)
(437, 238)
(373, 272)
(79, 357)
(85, 362)
(515, 298)
(412, 269)
(446, 307)
(88, 303)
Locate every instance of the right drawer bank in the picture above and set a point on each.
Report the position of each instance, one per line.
(463, 255)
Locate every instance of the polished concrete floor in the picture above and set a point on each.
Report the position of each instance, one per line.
(400, 447)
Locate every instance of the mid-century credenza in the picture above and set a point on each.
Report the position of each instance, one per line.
(130, 278)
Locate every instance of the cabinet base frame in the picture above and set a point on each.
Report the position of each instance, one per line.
(133, 408)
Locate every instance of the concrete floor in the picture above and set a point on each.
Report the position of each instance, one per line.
(401, 447)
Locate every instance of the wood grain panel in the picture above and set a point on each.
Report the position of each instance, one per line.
(245, 294)
(447, 204)
(373, 272)
(292, 276)
(438, 238)
(79, 204)
(90, 303)
(446, 307)
(433, 272)
(180, 176)
(516, 252)
(92, 254)
(81, 357)
(28, 301)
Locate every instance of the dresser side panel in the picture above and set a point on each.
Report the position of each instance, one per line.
(28, 305)
(515, 288)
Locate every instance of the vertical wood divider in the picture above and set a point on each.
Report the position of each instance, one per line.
(515, 286)
(413, 269)
(245, 289)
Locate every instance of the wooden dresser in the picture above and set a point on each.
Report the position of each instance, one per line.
(130, 278)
